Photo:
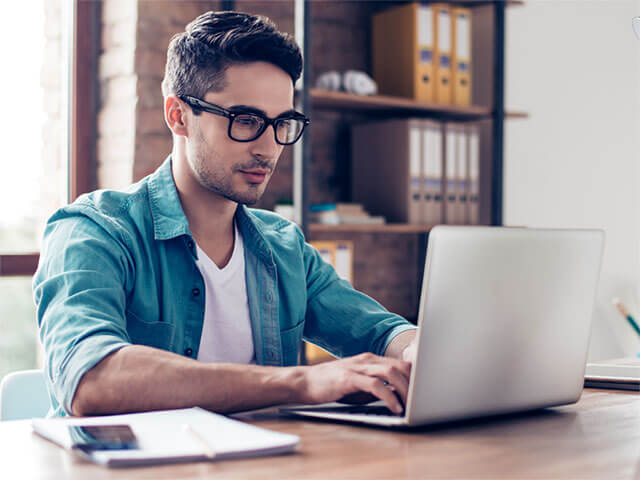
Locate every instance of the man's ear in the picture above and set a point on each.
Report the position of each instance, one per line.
(175, 115)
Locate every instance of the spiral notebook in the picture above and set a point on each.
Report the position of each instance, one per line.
(170, 436)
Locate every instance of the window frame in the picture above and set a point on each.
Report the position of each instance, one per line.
(81, 133)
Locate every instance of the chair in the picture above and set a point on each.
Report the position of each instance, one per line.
(23, 395)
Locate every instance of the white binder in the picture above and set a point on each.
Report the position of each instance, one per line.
(461, 173)
(474, 174)
(415, 173)
(450, 191)
(432, 172)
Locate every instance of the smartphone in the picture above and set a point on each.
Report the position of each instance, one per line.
(89, 438)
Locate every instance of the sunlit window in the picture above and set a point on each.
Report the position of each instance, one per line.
(34, 169)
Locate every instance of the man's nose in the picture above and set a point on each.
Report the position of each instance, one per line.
(265, 146)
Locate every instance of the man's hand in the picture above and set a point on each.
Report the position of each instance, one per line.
(369, 373)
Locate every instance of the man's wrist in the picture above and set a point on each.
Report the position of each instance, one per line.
(293, 381)
(399, 343)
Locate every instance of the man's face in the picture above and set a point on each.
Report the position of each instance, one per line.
(235, 170)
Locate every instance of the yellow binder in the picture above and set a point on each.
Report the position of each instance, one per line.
(425, 80)
(443, 51)
(403, 51)
(461, 53)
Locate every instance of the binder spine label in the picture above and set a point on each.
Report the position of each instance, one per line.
(414, 154)
(444, 31)
(463, 34)
(424, 21)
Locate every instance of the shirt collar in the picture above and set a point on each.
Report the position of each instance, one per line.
(252, 235)
(169, 220)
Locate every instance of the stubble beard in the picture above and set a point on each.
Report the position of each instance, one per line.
(220, 181)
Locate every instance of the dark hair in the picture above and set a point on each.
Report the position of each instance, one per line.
(198, 58)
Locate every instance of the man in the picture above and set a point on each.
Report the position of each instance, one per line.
(173, 293)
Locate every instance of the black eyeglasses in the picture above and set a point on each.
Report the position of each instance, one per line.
(245, 125)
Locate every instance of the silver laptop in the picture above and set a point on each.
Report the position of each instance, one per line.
(503, 326)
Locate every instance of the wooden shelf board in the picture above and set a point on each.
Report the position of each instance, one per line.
(332, 100)
(324, 99)
(387, 228)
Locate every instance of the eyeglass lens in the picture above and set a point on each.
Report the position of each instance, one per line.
(248, 127)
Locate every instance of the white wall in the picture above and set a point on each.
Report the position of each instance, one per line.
(574, 67)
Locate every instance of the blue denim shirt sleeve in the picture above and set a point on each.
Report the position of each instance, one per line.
(79, 291)
(341, 319)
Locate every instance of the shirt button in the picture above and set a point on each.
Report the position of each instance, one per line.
(190, 244)
(188, 352)
(269, 297)
(195, 292)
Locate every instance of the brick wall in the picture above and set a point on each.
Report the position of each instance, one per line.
(132, 136)
(118, 94)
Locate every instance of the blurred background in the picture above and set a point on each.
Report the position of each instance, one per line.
(553, 95)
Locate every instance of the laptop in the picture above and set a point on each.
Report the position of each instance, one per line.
(503, 326)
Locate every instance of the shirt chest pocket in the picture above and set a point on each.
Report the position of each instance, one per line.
(152, 334)
(291, 341)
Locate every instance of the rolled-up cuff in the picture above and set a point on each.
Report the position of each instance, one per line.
(87, 354)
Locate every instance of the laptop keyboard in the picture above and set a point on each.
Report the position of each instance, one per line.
(360, 410)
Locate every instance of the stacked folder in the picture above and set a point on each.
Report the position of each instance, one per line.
(417, 171)
(423, 51)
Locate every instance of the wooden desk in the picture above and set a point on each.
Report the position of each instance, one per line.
(599, 437)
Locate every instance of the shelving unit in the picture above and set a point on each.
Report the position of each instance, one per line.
(382, 105)
(397, 249)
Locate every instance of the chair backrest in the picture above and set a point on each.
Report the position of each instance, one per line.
(23, 395)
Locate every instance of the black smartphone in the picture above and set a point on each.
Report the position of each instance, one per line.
(89, 438)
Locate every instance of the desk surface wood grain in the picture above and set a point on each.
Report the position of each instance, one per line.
(599, 437)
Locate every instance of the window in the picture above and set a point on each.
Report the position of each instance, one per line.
(47, 147)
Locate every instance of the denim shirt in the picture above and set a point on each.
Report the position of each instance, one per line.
(118, 268)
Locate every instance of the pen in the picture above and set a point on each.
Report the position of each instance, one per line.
(625, 313)
(207, 450)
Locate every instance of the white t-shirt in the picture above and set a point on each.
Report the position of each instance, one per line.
(226, 333)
